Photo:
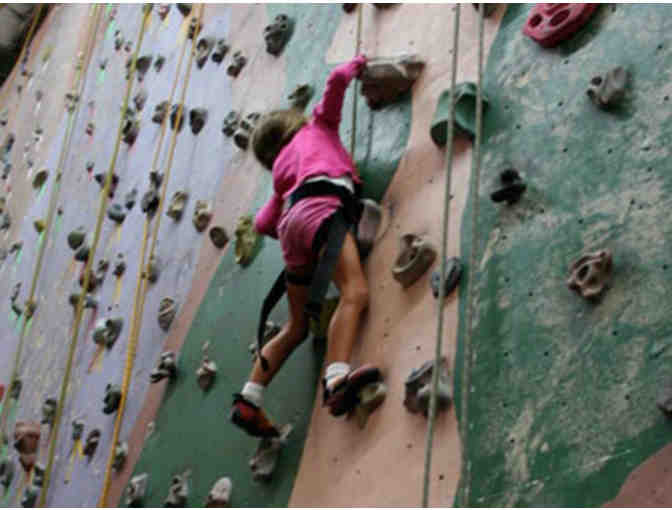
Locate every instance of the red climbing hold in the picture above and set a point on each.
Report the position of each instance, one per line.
(2, 392)
(550, 24)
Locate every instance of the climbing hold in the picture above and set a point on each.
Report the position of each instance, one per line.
(130, 198)
(163, 11)
(89, 302)
(512, 187)
(76, 238)
(167, 311)
(203, 49)
(135, 492)
(177, 203)
(385, 80)
(118, 41)
(6, 170)
(5, 221)
(107, 331)
(452, 278)
(590, 274)
(116, 213)
(160, 111)
(158, 63)
(278, 33)
(418, 387)
(150, 202)
(142, 65)
(40, 178)
(29, 497)
(178, 492)
(38, 474)
(266, 456)
(221, 49)
(89, 166)
(82, 254)
(7, 473)
(49, 411)
(237, 65)
(218, 237)
(90, 127)
(415, 257)
(488, 9)
(194, 28)
(242, 135)
(39, 225)
(120, 455)
(100, 179)
(152, 273)
(102, 64)
(130, 129)
(608, 90)
(30, 308)
(91, 444)
(550, 24)
(173, 117)
(112, 398)
(206, 373)
(367, 228)
(77, 430)
(185, 9)
(370, 398)
(247, 240)
(465, 113)
(15, 292)
(220, 494)
(4, 117)
(71, 100)
(349, 7)
(15, 247)
(301, 96)
(197, 119)
(15, 389)
(119, 265)
(230, 123)
(139, 99)
(384, 6)
(202, 215)
(26, 442)
(166, 367)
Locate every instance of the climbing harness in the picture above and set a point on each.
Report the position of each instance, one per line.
(143, 272)
(87, 270)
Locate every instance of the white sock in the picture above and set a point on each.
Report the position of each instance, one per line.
(254, 393)
(334, 370)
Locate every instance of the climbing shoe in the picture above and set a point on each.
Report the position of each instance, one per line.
(252, 419)
(342, 397)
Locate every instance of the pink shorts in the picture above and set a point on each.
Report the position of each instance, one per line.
(298, 226)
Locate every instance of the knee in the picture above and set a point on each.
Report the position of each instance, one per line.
(356, 295)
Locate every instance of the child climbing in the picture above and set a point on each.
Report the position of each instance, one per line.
(312, 212)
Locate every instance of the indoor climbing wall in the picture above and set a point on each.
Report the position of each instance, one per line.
(562, 391)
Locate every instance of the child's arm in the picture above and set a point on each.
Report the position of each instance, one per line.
(266, 221)
(328, 110)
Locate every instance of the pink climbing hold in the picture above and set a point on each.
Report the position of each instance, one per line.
(550, 24)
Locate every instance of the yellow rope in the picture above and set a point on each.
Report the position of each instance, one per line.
(141, 286)
(89, 263)
(53, 199)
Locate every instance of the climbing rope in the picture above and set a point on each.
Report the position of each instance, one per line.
(24, 47)
(476, 173)
(78, 85)
(141, 285)
(358, 44)
(444, 246)
(87, 270)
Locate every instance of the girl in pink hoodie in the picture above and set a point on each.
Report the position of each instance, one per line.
(298, 150)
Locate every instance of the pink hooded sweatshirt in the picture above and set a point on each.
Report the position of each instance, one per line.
(315, 150)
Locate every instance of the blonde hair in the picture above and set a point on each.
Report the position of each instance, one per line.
(273, 131)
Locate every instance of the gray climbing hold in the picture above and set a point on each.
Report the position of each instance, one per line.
(89, 302)
(120, 455)
(49, 411)
(247, 240)
(130, 128)
(4, 117)
(107, 331)
(386, 80)
(158, 63)
(608, 90)
(452, 277)
(278, 33)
(112, 398)
(167, 311)
(177, 204)
(119, 265)
(203, 49)
(206, 373)
(178, 492)
(237, 65)
(418, 388)
(77, 430)
(266, 456)
(150, 202)
(197, 119)
(91, 444)
(165, 368)
(40, 178)
(244, 132)
(173, 117)
(370, 398)
(590, 275)
(465, 113)
(202, 215)
(139, 99)
(5, 221)
(230, 123)
(219, 237)
(116, 213)
(160, 111)
(220, 494)
(221, 49)
(152, 272)
(82, 254)
(130, 198)
(136, 489)
(301, 96)
(76, 238)
(415, 257)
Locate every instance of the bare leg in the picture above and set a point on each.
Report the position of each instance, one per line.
(351, 282)
(283, 344)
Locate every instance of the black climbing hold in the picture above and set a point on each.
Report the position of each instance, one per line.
(194, 28)
(453, 274)
(150, 202)
(278, 33)
(512, 187)
(237, 65)
(77, 430)
(185, 9)
(203, 49)
(139, 99)
(116, 213)
(418, 388)
(166, 367)
(112, 398)
(221, 49)
(218, 237)
(173, 117)
(160, 111)
(230, 123)
(91, 444)
(130, 198)
(242, 135)
(82, 254)
(197, 119)
(158, 63)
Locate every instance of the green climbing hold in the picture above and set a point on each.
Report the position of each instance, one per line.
(76, 238)
(465, 113)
